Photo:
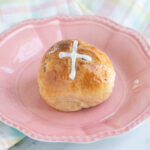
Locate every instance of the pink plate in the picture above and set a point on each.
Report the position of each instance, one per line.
(21, 106)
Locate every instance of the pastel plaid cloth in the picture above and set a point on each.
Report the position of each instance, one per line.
(131, 13)
(9, 136)
(15, 11)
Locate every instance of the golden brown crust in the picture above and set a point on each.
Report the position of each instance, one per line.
(92, 85)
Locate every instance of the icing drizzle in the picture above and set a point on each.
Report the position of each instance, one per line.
(74, 55)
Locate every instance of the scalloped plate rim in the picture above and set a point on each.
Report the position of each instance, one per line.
(74, 139)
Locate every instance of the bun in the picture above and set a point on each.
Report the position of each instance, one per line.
(75, 75)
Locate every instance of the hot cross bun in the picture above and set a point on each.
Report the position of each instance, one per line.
(74, 75)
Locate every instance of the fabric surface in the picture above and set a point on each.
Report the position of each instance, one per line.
(131, 13)
(9, 136)
(15, 11)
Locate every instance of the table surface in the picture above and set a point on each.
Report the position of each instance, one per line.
(138, 138)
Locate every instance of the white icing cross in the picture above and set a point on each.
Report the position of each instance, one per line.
(73, 56)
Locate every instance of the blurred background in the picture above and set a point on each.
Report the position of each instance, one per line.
(130, 13)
